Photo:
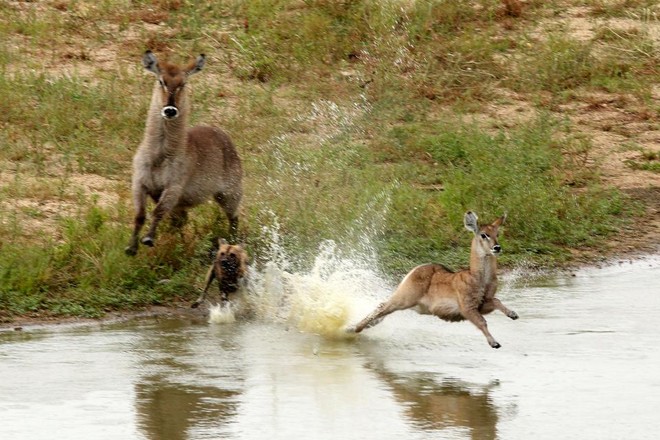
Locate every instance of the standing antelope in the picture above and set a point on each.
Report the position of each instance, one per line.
(180, 167)
(452, 296)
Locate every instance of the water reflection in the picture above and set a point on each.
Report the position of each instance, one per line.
(574, 366)
(189, 379)
(170, 411)
(431, 406)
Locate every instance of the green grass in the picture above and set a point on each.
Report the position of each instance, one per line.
(648, 161)
(80, 124)
(520, 172)
(357, 122)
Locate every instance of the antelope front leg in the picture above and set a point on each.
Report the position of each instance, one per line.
(475, 318)
(496, 304)
(504, 309)
(140, 201)
(166, 203)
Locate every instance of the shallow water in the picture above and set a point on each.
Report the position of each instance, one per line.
(580, 363)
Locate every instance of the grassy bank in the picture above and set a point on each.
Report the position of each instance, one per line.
(369, 123)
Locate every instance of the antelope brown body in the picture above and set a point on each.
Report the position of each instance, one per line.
(229, 268)
(453, 296)
(180, 167)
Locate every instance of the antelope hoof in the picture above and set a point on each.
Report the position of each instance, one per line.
(131, 251)
(513, 315)
(148, 241)
(495, 344)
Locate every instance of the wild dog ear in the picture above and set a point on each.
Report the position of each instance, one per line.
(471, 222)
(222, 241)
(150, 62)
(196, 65)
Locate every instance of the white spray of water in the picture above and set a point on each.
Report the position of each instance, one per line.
(324, 300)
(222, 314)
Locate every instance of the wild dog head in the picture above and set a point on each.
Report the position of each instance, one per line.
(230, 265)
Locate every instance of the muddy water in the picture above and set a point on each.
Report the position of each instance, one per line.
(582, 362)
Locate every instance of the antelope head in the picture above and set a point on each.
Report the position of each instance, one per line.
(172, 79)
(485, 237)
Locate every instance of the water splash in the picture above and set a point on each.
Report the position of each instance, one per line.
(318, 300)
(339, 287)
(324, 300)
(222, 314)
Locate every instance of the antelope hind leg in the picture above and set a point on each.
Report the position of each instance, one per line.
(229, 203)
(374, 317)
(178, 218)
(132, 247)
(404, 297)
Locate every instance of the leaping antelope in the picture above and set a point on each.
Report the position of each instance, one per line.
(452, 296)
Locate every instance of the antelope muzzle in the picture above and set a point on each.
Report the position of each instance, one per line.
(169, 112)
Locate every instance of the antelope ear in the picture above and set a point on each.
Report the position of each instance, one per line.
(150, 62)
(196, 65)
(471, 222)
(500, 221)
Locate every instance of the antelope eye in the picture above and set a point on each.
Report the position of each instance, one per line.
(485, 236)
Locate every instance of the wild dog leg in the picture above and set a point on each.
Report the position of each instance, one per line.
(210, 276)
